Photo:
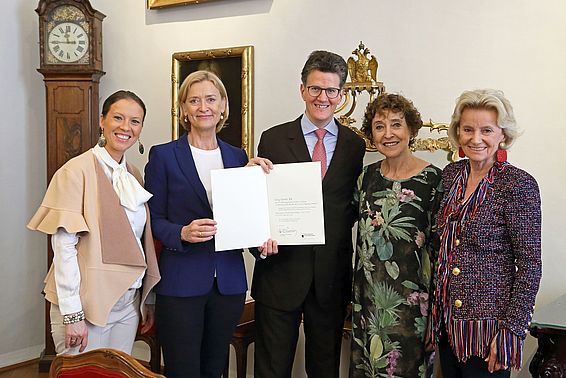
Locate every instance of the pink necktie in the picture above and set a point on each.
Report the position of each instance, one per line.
(319, 152)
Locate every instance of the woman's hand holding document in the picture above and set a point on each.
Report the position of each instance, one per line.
(251, 206)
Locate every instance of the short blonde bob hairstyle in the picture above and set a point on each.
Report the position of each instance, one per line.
(197, 77)
(490, 99)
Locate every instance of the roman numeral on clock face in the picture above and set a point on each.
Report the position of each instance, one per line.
(68, 42)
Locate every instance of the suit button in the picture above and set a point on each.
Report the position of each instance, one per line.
(457, 303)
(457, 242)
(456, 271)
(441, 237)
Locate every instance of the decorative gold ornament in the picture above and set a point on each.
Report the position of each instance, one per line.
(435, 144)
(362, 69)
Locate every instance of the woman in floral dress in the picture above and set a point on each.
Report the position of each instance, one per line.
(396, 200)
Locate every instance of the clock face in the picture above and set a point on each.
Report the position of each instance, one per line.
(68, 42)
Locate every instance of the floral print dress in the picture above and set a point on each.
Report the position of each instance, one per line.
(392, 273)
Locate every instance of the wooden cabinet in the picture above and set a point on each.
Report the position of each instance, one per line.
(550, 358)
(549, 327)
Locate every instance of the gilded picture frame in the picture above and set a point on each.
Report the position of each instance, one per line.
(234, 66)
(156, 4)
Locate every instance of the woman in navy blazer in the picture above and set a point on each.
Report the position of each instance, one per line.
(201, 295)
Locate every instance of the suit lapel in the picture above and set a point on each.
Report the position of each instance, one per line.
(297, 143)
(338, 154)
(341, 154)
(229, 159)
(187, 164)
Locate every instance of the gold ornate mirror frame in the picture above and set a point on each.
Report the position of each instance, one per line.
(234, 66)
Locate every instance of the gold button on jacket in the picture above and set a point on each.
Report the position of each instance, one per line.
(458, 303)
(457, 242)
(456, 271)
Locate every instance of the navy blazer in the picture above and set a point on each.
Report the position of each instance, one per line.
(179, 197)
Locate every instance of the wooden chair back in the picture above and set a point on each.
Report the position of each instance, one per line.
(99, 363)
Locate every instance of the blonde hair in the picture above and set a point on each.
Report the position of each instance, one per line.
(197, 77)
(490, 99)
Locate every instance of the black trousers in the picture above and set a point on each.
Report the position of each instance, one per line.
(277, 333)
(474, 367)
(195, 332)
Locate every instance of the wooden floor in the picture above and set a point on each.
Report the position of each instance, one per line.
(24, 371)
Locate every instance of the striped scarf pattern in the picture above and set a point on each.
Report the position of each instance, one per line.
(468, 337)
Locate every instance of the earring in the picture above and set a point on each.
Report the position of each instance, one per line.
(501, 154)
(221, 116)
(141, 149)
(461, 152)
(101, 139)
(186, 119)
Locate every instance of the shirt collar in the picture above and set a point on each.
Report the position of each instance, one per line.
(130, 192)
(308, 127)
(104, 156)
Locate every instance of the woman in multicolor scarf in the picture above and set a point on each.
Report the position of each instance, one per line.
(489, 263)
(397, 198)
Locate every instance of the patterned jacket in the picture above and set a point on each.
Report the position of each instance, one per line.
(495, 266)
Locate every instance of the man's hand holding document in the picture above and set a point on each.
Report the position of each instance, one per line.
(251, 206)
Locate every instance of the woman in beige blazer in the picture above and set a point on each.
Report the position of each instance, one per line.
(96, 213)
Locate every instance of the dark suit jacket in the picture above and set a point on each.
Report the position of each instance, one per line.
(179, 198)
(282, 281)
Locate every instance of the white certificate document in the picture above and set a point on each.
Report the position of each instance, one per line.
(251, 206)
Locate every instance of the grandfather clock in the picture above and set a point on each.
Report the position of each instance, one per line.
(70, 42)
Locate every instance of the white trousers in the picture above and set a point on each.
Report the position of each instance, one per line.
(119, 333)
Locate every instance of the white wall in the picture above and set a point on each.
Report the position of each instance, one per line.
(429, 51)
(22, 173)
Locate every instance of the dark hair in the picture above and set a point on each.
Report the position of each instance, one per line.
(121, 95)
(325, 61)
(395, 103)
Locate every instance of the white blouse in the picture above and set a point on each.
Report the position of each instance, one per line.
(206, 161)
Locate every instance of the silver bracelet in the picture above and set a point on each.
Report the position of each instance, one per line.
(73, 318)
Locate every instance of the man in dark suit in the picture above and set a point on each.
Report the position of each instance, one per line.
(310, 283)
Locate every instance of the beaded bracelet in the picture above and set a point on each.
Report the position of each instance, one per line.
(73, 318)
